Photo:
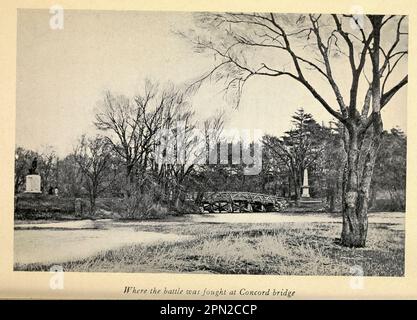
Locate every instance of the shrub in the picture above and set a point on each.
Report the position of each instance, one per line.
(142, 204)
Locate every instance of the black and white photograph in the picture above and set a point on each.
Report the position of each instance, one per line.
(251, 143)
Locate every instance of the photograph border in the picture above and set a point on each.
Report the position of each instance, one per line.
(20, 284)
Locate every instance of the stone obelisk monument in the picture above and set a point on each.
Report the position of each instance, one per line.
(306, 187)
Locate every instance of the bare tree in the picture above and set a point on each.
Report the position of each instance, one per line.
(71, 177)
(309, 49)
(131, 126)
(175, 144)
(213, 128)
(48, 167)
(93, 158)
(183, 146)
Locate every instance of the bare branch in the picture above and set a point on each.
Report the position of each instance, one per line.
(386, 97)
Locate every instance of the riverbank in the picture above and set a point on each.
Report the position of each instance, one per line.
(262, 243)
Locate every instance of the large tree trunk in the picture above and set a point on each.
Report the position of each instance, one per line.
(128, 188)
(359, 169)
(297, 187)
(354, 224)
(372, 199)
(331, 198)
(362, 146)
(93, 197)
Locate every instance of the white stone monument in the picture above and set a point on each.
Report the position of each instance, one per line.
(33, 183)
(33, 179)
(306, 187)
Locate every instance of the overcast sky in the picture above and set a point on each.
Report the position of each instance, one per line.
(62, 74)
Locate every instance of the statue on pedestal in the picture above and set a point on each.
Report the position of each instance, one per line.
(33, 179)
(34, 168)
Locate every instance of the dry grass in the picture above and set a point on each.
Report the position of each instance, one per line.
(283, 249)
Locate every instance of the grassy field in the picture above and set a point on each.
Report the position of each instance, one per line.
(282, 249)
